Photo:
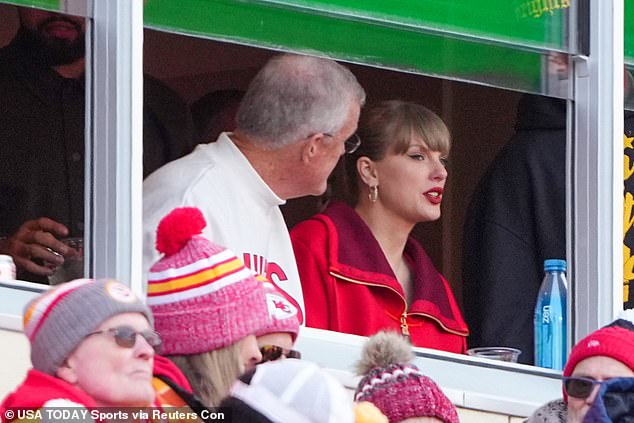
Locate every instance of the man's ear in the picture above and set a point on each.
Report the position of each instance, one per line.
(66, 372)
(311, 149)
(367, 171)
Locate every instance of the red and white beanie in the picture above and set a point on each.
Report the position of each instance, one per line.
(202, 296)
(283, 311)
(615, 340)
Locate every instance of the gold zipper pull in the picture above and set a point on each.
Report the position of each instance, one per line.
(405, 328)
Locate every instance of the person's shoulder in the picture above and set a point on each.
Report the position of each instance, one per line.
(313, 230)
(39, 389)
(184, 171)
(315, 223)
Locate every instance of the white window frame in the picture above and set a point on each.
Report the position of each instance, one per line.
(114, 219)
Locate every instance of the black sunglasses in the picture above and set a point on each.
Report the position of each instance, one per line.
(580, 387)
(273, 352)
(125, 336)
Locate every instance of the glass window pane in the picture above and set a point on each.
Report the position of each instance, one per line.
(529, 23)
(516, 64)
(528, 132)
(43, 156)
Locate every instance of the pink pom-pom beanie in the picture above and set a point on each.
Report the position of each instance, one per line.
(202, 296)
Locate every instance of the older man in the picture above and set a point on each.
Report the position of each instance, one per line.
(292, 126)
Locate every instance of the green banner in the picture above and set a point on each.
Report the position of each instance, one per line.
(350, 38)
(535, 23)
(629, 31)
(42, 4)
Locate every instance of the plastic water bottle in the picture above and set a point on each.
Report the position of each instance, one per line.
(550, 317)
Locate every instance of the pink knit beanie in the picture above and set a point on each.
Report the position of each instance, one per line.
(283, 311)
(202, 296)
(396, 387)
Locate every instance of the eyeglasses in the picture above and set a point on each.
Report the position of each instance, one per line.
(580, 387)
(274, 352)
(351, 144)
(125, 336)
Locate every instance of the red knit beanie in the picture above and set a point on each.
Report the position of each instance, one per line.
(615, 341)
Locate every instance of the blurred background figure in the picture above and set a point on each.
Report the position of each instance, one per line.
(397, 387)
(42, 80)
(289, 391)
(215, 112)
(207, 305)
(360, 269)
(516, 220)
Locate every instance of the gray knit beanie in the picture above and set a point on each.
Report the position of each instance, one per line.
(58, 320)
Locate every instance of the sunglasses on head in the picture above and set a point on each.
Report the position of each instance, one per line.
(273, 352)
(125, 336)
(580, 387)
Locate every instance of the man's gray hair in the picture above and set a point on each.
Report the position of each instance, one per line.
(294, 96)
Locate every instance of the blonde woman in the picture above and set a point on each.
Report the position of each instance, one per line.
(207, 306)
(360, 269)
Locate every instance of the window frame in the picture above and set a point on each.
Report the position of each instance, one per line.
(594, 204)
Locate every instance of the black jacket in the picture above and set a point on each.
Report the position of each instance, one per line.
(516, 220)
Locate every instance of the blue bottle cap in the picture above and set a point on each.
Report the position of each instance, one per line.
(555, 264)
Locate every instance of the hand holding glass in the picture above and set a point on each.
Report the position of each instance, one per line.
(73, 267)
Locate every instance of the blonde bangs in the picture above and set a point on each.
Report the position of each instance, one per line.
(424, 124)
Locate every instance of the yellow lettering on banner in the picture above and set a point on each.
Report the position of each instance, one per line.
(547, 8)
(628, 272)
(537, 8)
(628, 269)
(536, 11)
(628, 219)
(627, 169)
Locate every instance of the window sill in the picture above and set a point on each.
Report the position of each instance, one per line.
(470, 382)
(15, 295)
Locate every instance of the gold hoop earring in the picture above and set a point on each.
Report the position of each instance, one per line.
(374, 193)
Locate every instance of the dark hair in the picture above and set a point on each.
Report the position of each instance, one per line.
(213, 111)
(388, 127)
